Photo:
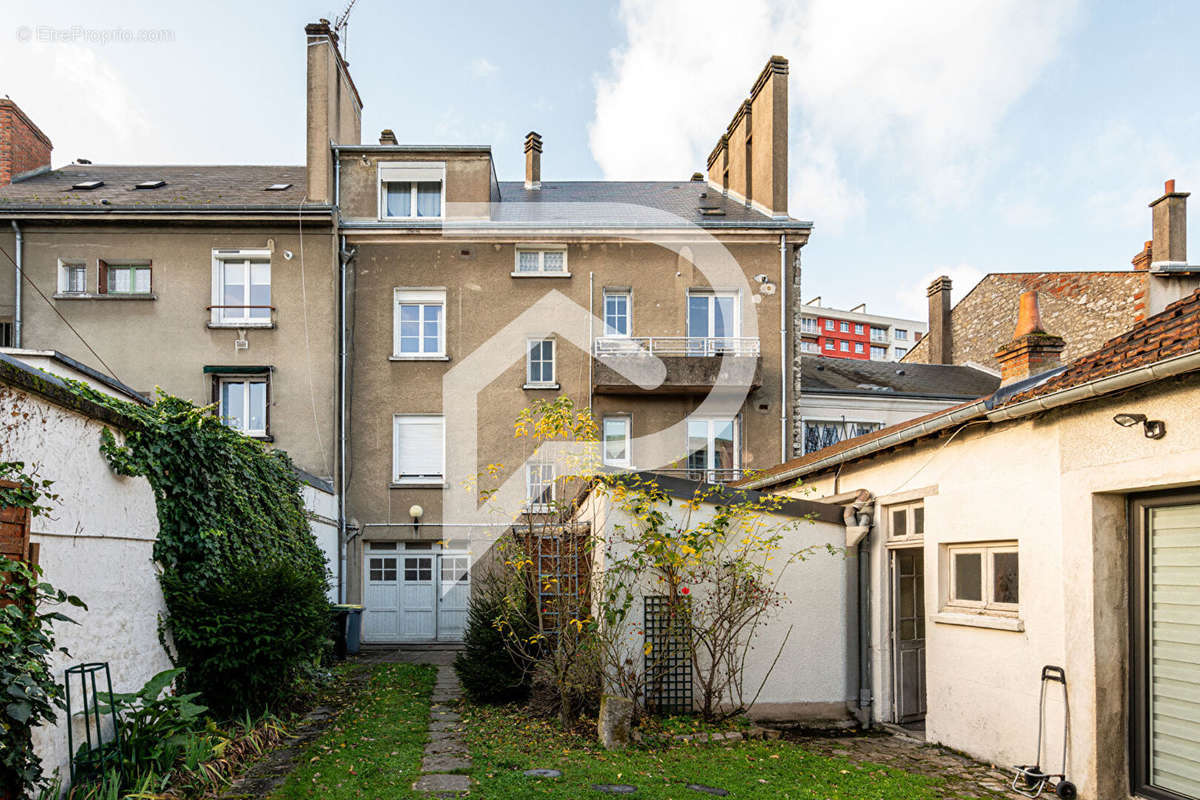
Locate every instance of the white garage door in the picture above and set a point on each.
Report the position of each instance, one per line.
(414, 595)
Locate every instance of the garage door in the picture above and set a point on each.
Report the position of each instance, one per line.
(414, 595)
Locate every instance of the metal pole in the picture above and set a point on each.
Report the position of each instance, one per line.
(19, 260)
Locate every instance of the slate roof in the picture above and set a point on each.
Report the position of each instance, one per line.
(819, 375)
(187, 188)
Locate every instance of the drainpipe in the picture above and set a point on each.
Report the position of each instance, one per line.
(858, 517)
(340, 244)
(783, 354)
(20, 241)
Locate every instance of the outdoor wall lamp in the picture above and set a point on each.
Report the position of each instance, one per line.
(1151, 428)
(416, 512)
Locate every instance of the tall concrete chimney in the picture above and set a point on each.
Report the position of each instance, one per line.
(23, 146)
(941, 333)
(387, 137)
(1169, 244)
(1032, 351)
(533, 160)
(334, 108)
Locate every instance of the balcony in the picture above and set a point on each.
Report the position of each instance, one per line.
(675, 365)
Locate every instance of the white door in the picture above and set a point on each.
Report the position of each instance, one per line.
(418, 596)
(381, 599)
(455, 592)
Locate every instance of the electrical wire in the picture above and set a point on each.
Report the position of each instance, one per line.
(934, 454)
(66, 322)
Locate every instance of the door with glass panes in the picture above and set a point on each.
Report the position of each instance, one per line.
(414, 595)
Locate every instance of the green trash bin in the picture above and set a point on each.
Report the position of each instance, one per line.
(353, 626)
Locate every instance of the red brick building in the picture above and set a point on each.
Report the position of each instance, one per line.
(23, 146)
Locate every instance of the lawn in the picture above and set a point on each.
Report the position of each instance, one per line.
(374, 748)
(504, 742)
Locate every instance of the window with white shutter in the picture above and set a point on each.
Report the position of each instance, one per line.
(411, 190)
(418, 448)
(541, 261)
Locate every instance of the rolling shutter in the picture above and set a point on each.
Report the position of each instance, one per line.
(419, 448)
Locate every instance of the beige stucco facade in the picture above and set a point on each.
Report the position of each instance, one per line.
(1058, 486)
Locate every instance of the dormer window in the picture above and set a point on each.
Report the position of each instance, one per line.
(411, 190)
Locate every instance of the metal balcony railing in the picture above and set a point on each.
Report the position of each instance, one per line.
(706, 475)
(676, 346)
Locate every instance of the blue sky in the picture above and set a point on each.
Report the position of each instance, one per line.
(959, 137)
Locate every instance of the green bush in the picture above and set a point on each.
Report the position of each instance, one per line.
(156, 725)
(485, 667)
(249, 639)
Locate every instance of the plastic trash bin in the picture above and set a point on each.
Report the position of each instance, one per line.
(337, 619)
(353, 628)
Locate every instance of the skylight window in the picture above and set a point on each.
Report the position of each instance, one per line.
(278, 187)
(150, 184)
(88, 185)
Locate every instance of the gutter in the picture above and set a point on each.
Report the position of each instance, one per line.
(18, 260)
(783, 352)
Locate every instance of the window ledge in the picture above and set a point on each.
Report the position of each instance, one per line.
(263, 437)
(541, 386)
(979, 621)
(540, 274)
(257, 325)
(417, 485)
(419, 358)
(114, 296)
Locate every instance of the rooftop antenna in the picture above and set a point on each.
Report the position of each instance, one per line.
(340, 27)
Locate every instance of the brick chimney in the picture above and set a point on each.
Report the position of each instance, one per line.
(1141, 262)
(334, 108)
(940, 336)
(1169, 245)
(387, 136)
(533, 160)
(23, 146)
(1032, 351)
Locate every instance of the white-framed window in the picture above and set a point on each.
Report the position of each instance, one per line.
(829, 344)
(125, 278)
(241, 287)
(845, 326)
(829, 325)
(418, 448)
(72, 277)
(539, 362)
(411, 189)
(858, 329)
(712, 315)
(844, 346)
(879, 334)
(901, 335)
(878, 353)
(714, 449)
(617, 441)
(809, 347)
(808, 325)
(901, 352)
(859, 347)
(243, 401)
(535, 260)
(618, 312)
(821, 433)
(539, 486)
(419, 324)
(907, 521)
(983, 576)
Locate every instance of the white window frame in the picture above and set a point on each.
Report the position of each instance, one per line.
(909, 510)
(627, 421)
(711, 424)
(71, 263)
(986, 550)
(859, 347)
(413, 172)
(901, 352)
(900, 334)
(627, 294)
(246, 380)
(858, 329)
(399, 420)
(541, 271)
(882, 353)
(844, 346)
(830, 344)
(419, 296)
(809, 347)
(845, 327)
(830, 325)
(130, 265)
(809, 325)
(713, 296)
(879, 334)
(539, 467)
(237, 318)
(530, 383)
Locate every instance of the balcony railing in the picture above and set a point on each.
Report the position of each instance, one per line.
(676, 346)
(706, 475)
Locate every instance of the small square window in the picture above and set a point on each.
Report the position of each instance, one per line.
(828, 344)
(541, 261)
(906, 521)
(72, 277)
(845, 347)
(382, 569)
(411, 190)
(858, 347)
(901, 335)
(419, 324)
(984, 577)
(418, 569)
(243, 403)
(829, 325)
(127, 279)
(858, 329)
(845, 327)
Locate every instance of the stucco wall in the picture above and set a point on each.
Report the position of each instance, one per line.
(1057, 484)
(97, 544)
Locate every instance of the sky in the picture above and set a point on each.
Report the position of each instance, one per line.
(959, 137)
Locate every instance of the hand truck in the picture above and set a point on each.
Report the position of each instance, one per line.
(1030, 780)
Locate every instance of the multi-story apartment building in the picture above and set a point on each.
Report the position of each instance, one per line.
(384, 312)
(834, 333)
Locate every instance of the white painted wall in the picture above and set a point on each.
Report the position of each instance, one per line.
(322, 521)
(809, 680)
(97, 544)
(1057, 484)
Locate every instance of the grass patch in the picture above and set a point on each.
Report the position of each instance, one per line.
(374, 748)
(504, 742)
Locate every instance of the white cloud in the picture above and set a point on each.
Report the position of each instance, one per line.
(482, 68)
(915, 90)
(914, 303)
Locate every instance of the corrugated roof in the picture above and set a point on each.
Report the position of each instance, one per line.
(821, 375)
(186, 188)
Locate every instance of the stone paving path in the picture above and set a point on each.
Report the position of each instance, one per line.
(965, 777)
(446, 754)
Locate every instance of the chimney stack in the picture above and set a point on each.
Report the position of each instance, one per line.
(1032, 351)
(23, 146)
(941, 335)
(1169, 246)
(334, 109)
(533, 160)
(387, 136)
